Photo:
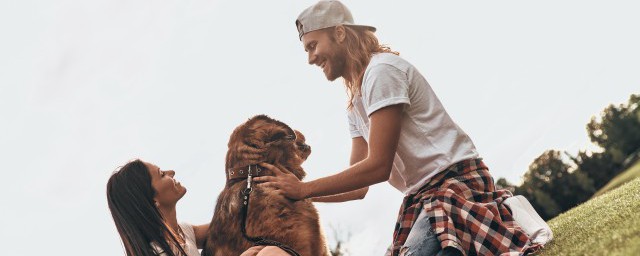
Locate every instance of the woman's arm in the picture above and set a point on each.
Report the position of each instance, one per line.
(375, 168)
(201, 232)
(359, 151)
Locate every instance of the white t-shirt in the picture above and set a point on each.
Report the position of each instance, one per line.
(429, 139)
(189, 247)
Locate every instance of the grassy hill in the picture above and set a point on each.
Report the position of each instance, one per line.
(622, 178)
(605, 225)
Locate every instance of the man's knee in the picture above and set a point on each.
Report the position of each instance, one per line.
(424, 243)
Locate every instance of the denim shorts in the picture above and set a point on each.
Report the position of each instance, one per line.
(422, 241)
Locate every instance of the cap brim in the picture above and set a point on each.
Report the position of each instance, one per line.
(370, 28)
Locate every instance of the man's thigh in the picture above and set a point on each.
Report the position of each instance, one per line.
(421, 241)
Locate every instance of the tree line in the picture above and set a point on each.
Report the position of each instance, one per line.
(558, 181)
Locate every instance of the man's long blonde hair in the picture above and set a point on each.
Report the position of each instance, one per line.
(359, 45)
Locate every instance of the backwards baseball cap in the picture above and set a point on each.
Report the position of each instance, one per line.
(325, 14)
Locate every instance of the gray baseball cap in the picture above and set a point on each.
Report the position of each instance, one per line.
(325, 14)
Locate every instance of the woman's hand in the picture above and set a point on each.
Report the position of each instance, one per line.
(288, 184)
(264, 251)
(272, 251)
(253, 251)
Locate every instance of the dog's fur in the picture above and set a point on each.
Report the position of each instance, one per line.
(270, 214)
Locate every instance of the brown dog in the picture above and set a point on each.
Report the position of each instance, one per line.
(270, 215)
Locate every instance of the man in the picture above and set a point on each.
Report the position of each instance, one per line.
(402, 134)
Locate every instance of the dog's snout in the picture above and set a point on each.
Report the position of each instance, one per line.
(304, 147)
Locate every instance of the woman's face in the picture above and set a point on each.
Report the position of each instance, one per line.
(168, 190)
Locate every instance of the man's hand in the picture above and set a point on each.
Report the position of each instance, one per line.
(286, 183)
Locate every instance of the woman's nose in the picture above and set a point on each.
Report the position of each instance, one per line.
(171, 173)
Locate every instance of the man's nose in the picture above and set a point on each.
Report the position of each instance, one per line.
(171, 173)
(312, 58)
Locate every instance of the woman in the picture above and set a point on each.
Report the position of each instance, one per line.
(402, 134)
(142, 199)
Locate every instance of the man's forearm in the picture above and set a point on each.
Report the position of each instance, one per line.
(348, 196)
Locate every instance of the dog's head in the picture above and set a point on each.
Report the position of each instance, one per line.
(275, 141)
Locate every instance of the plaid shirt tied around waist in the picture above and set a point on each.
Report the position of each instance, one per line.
(465, 211)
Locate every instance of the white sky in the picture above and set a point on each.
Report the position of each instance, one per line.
(86, 86)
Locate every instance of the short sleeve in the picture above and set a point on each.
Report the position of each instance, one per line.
(384, 85)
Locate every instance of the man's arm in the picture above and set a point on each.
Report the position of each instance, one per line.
(376, 168)
(359, 151)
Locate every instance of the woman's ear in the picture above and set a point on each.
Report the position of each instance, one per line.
(339, 33)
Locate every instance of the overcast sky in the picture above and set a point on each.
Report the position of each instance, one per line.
(86, 86)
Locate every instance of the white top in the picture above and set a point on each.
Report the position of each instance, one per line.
(429, 139)
(189, 247)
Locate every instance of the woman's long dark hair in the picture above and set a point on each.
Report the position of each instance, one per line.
(139, 222)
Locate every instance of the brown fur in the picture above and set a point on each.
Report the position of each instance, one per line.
(270, 215)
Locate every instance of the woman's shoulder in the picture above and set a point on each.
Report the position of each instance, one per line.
(190, 246)
(187, 228)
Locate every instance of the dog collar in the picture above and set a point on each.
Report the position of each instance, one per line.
(243, 172)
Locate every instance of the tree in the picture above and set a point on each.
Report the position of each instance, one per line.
(341, 239)
(553, 186)
(542, 202)
(599, 167)
(617, 129)
(502, 183)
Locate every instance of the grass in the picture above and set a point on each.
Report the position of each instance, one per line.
(622, 178)
(605, 225)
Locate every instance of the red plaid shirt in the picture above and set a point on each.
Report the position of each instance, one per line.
(466, 212)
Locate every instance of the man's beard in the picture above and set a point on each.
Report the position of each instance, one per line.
(337, 64)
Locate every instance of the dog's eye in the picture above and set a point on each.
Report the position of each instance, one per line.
(277, 136)
(281, 136)
(302, 146)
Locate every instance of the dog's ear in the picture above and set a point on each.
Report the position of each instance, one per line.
(261, 133)
(255, 132)
(245, 145)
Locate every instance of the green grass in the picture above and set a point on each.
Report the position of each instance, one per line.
(605, 225)
(622, 178)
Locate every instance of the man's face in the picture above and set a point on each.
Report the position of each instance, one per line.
(325, 53)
